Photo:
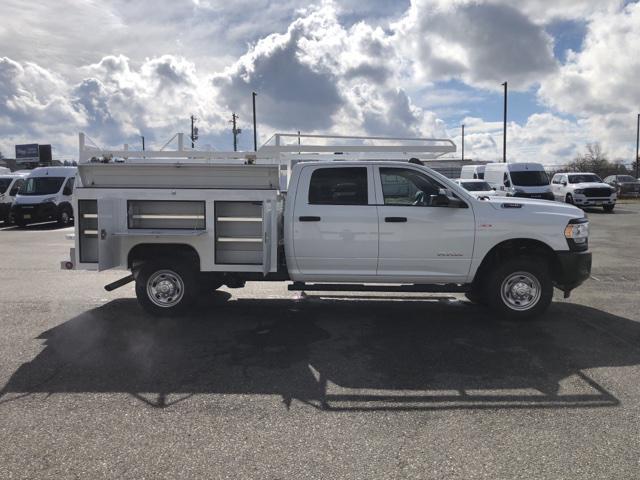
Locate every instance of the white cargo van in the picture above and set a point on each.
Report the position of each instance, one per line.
(475, 172)
(46, 195)
(528, 180)
(321, 221)
(10, 184)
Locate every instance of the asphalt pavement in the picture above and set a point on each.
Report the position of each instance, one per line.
(257, 383)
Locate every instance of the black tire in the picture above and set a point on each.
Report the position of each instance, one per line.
(180, 287)
(569, 199)
(531, 277)
(476, 296)
(64, 216)
(608, 208)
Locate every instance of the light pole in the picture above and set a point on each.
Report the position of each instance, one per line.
(236, 131)
(142, 137)
(504, 127)
(255, 134)
(463, 142)
(194, 131)
(637, 145)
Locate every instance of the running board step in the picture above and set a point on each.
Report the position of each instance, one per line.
(359, 287)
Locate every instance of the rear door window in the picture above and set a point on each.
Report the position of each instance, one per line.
(339, 186)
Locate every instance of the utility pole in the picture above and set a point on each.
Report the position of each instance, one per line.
(142, 137)
(463, 142)
(194, 131)
(637, 145)
(255, 134)
(504, 134)
(236, 131)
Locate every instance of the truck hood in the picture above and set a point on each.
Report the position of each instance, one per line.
(590, 185)
(533, 205)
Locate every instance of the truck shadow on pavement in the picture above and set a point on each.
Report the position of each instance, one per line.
(335, 354)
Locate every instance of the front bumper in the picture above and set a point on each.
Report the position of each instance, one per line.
(539, 196)
(572, 269)
(30, 213)
(582, 200)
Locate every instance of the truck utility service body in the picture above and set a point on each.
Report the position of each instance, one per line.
(325, 224)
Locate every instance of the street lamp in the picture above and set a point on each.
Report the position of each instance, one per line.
(504, 128)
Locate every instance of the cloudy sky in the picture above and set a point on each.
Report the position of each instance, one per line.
(118, 69)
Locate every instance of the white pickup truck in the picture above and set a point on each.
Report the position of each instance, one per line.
(322, 222)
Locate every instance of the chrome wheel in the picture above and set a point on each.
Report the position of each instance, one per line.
(165, 288)
(520, 291)
(64, 217)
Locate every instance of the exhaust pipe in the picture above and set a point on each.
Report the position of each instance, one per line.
(119, 283)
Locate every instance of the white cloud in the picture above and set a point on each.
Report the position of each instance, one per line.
(482, 44)
(118, 69)
(544, 138)
(600, 83)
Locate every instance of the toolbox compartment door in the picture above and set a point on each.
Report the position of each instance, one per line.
(108, 241)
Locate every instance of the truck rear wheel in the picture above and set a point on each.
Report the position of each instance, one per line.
(166, 289)
(520, 288)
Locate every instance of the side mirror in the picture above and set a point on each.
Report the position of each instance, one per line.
(67, 191)
(493, 188)
(14, 192)
(441, 199)
(564, 183)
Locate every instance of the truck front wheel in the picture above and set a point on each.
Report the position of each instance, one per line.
(520, 288)
(166, 289)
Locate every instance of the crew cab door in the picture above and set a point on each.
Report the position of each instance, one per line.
(335, 223)
(418, 241)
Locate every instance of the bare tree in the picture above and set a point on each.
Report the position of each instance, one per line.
(595, 160)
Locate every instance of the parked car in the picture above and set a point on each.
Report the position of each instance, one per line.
(528, 180)
(10, 184)
(46, 195)
(472, 172)
(583, 190)
(625, 185)
(477, 188)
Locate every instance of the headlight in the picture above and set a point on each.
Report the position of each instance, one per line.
(579, 190)
(577, 234)
(49, 200)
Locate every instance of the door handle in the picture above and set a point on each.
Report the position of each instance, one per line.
(395, 219)
(309, 219)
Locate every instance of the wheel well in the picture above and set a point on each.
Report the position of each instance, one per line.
(514, 248)
(155, 251)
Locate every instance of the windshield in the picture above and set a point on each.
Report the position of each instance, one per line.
(530, 178)
(584, 178)
(4, 184)
(42, 185)
(476, 186)
(626, 178)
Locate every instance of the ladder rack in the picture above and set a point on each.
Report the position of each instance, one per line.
(267, 168)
